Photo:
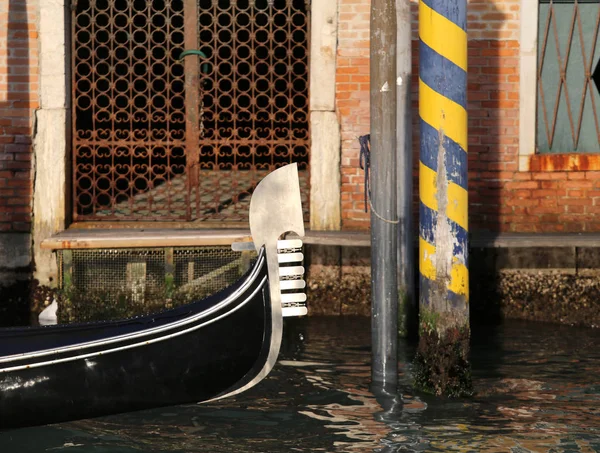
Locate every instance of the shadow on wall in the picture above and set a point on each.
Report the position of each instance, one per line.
(493, 144)
(16, 121)
(492, 105)
(493, 109)
(16, 109)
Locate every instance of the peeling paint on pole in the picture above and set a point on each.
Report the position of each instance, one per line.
(441, 364)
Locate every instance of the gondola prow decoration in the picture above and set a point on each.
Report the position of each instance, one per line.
(198, 352)
(275, 210)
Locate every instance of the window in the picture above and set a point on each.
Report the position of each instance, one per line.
(568, 78)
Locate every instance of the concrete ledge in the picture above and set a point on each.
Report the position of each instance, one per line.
(536, 259)
(477, 239)
(554, 278)
(514, 240)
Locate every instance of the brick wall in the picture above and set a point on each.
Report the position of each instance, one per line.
(501, 197)
(353, 105)
(18, 101)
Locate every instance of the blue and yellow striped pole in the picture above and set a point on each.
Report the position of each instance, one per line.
(443, 211)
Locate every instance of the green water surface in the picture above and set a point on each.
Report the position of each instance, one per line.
(537, 389)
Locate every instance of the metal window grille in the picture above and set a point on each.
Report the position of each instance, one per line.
(156, 137)
(568, 76)
(101, 284)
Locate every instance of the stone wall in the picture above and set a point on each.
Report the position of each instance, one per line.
(557, 284)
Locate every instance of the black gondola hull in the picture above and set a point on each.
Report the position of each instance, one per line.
(191, 354)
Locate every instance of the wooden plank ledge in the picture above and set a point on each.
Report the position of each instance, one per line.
(339, 238)
(168, 237)
(477, 239)
(128, 238)
(78, 238)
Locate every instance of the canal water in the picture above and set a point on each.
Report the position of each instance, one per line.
(537, 390)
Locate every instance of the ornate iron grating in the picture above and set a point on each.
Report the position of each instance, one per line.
(156, 137)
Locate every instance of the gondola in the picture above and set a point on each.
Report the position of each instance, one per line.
(203, 351)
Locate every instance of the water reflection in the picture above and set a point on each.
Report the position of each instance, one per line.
(537, 389)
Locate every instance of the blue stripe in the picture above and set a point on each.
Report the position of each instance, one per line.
(457, 301)
(427, 227)
(456, 157)
(427, 223)
(453, 10)
(442, 75)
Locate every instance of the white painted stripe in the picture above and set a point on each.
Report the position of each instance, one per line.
(288, 312)
(290, 257)
(291, 271)
(135, 345)
(251, 279)
(293, 298)
(243, 246)
(281, 245)
(292, 284)
(301, 363)
(289, 244)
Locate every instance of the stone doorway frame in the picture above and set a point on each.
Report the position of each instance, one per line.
(52, 132)
(528, 50)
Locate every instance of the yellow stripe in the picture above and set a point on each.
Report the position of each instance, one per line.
(443, 114)
(458, 198)
(426, 255)
(428, 186)
(459, 279)
(443, 35)
(458, 205)
(459, 274)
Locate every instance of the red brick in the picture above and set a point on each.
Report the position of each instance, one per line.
(522, 185)
(558, 175)
(546, 193)
(575, 202)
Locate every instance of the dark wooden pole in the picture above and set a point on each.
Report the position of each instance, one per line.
(407, 308)
(384, 216)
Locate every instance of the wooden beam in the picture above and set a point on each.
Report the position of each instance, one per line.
(98, 239)
(166, 237)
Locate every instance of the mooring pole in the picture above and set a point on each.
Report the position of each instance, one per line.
(407, 309)
(441, 364)
(384, 219)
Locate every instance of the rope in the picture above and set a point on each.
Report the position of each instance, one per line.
(364, 162)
